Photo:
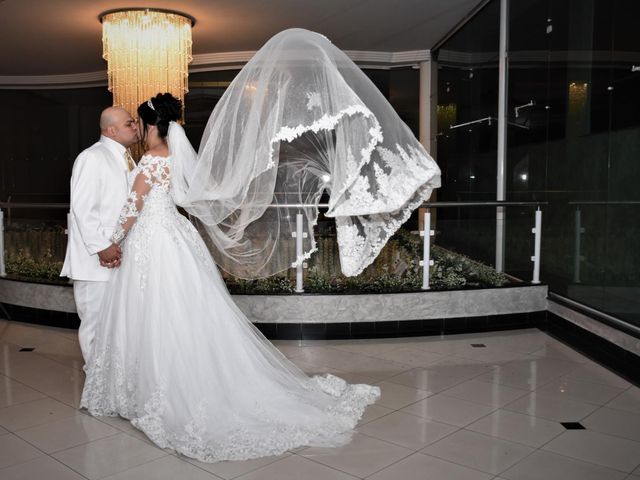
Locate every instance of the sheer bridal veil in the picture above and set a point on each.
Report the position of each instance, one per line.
(298, 119)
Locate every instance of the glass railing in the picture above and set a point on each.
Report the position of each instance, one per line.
(457, 240)
(602, 259)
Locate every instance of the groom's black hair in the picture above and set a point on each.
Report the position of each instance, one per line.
(166, 108)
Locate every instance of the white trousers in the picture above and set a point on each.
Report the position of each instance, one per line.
(88, 297)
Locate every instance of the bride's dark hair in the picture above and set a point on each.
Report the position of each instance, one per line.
(166, 108)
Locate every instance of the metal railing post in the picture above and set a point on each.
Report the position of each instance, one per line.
(299, 265)
(3, 271)
(577, 245)
(426, 261)
(537, 231)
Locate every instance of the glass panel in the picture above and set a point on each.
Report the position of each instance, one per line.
(575, 61)
(467, 134)
(622, 262)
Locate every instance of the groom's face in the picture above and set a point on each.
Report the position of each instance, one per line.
(125, 130)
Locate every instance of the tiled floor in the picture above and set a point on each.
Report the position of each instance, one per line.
(449, 411)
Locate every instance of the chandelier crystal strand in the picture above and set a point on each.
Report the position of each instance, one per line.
(147, 52)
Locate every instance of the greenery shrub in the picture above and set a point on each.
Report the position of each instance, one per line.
(396, 269)
(46, 268)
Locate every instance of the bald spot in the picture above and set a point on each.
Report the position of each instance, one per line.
(110, 117)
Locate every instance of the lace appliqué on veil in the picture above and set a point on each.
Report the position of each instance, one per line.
(386, 192)
(313, 100)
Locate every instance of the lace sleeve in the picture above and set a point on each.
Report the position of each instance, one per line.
(142, 185)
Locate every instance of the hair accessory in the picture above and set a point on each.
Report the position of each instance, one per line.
(150, 103)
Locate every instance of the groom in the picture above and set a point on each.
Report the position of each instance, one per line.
(99, 189)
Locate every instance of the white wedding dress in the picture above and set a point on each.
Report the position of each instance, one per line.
(175, 355)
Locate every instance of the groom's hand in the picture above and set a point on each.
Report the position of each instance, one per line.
(110, 256)
(114, 264)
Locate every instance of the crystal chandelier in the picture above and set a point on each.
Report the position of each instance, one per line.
(147, 52)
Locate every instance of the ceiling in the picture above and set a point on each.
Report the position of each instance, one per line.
(59, 37)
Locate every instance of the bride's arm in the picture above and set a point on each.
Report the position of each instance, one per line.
(133, 206)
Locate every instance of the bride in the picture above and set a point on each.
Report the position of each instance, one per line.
(173, 353)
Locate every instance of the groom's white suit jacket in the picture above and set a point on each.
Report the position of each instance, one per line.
(99, 189)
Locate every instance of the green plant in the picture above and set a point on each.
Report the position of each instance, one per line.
(316, 282)
(396, 269)
(453, 270)
(270, 285)
(22, 265)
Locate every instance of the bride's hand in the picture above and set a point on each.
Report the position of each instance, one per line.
(114, 264)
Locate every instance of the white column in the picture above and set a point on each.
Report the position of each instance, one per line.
(502, 136)
(428, 116)
(428, 102)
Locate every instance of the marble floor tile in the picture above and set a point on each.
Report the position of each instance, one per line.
(108, 456)
(326, 356)
(424, 379)
(140, 435)
(407, 430)
(376, 368)
(63, 351)
(295, 467)
(40, 468)
(361, 458)
(425, 467)
(599, 448)
(396, 396)
(628, 401)
(478, 451)
(372, 348)
(544, 366)
(492, 394)
(582, 391)
(165, 468)
(14, 450)
(491, 355)
(12, 392)
(351, 377)
(517, 377)
(559, 351)
(517, 427)
(410, 356)
(460, 368)
(120, 423)
(451, 410)
(593, 373)
(230, 470)
(27, 335)
(44, 375)
(614, 422)
(373, 412)
(33, 413)
(460, 347)
(549, 406)
(542, 465)
(66, 433)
